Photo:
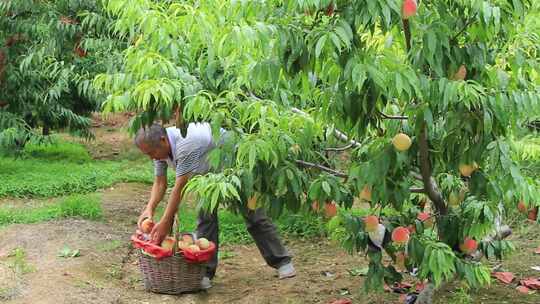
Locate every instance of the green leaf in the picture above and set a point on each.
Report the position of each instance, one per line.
(320, 45)
(326, 188)
(488, 122)
(344, 36)
(337, 42)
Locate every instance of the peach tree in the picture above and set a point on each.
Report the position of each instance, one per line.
(49, 53)
(406, 106)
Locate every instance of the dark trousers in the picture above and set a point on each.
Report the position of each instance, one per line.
(262, 230)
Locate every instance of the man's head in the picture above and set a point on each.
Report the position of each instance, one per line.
(153, 141)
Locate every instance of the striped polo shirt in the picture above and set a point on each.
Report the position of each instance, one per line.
(189, 154)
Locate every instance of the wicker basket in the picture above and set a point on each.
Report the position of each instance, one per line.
(171, 275)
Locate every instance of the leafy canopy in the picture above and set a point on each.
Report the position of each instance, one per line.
(459, 77)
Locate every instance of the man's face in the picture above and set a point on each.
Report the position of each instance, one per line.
(157, 152)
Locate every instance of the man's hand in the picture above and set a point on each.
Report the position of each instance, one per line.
(147, 213)
(160, 231)
(158, 190)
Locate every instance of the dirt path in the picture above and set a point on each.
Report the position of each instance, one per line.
(107, 271)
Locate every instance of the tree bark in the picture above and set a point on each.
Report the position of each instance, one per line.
(425, 169)
(407, 31)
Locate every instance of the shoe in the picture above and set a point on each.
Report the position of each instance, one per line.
(286, 271)
(206, 283)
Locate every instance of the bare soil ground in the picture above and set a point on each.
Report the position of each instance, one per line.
(107, 270)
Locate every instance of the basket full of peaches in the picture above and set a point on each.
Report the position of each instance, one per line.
(175, 266)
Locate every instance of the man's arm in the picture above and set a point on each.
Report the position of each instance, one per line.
(158, 191)
(176, 197)
(161, 229)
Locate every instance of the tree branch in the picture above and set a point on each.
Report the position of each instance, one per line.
(500, 233)
(398, 117)
(469, 22)
(425, 168)
(322, 168)
(417, 190)
(337, 133)
(407, 31)
(416, 176)
(341, 174)
(339, 149)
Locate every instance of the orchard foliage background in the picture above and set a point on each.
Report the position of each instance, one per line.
(459, 77)
(49, 53)
(314, 92)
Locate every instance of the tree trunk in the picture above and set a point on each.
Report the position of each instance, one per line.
(46, 130)
(430, 184)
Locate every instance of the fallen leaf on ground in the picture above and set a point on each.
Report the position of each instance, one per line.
(420, 286)
(523, 289)
(404, 285)
(342, 301)
(537, 251)
(531, 283)
(505, 277)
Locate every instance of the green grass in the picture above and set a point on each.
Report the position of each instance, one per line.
(58, 151)
(85, 206)
(38, 178)
(64, 168)
(17, 262)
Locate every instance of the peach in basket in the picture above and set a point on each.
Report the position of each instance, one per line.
(195, 254)
(203, 243)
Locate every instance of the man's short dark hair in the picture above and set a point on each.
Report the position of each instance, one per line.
(150, 135)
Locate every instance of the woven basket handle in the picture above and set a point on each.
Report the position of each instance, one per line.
(176, 232)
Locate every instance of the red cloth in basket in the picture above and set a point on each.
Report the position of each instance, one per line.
(200, 256)
(159, 252)
(152, 249)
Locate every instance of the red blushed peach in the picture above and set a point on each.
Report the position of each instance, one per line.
(409, 9)
(193, 248)
(371, 223)
(330, 209)
(147, 225)
(365, 194)
(182, 245)
(203, 243)
(168, 243)
(400, 235)
(468, 246)
(522, 207)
